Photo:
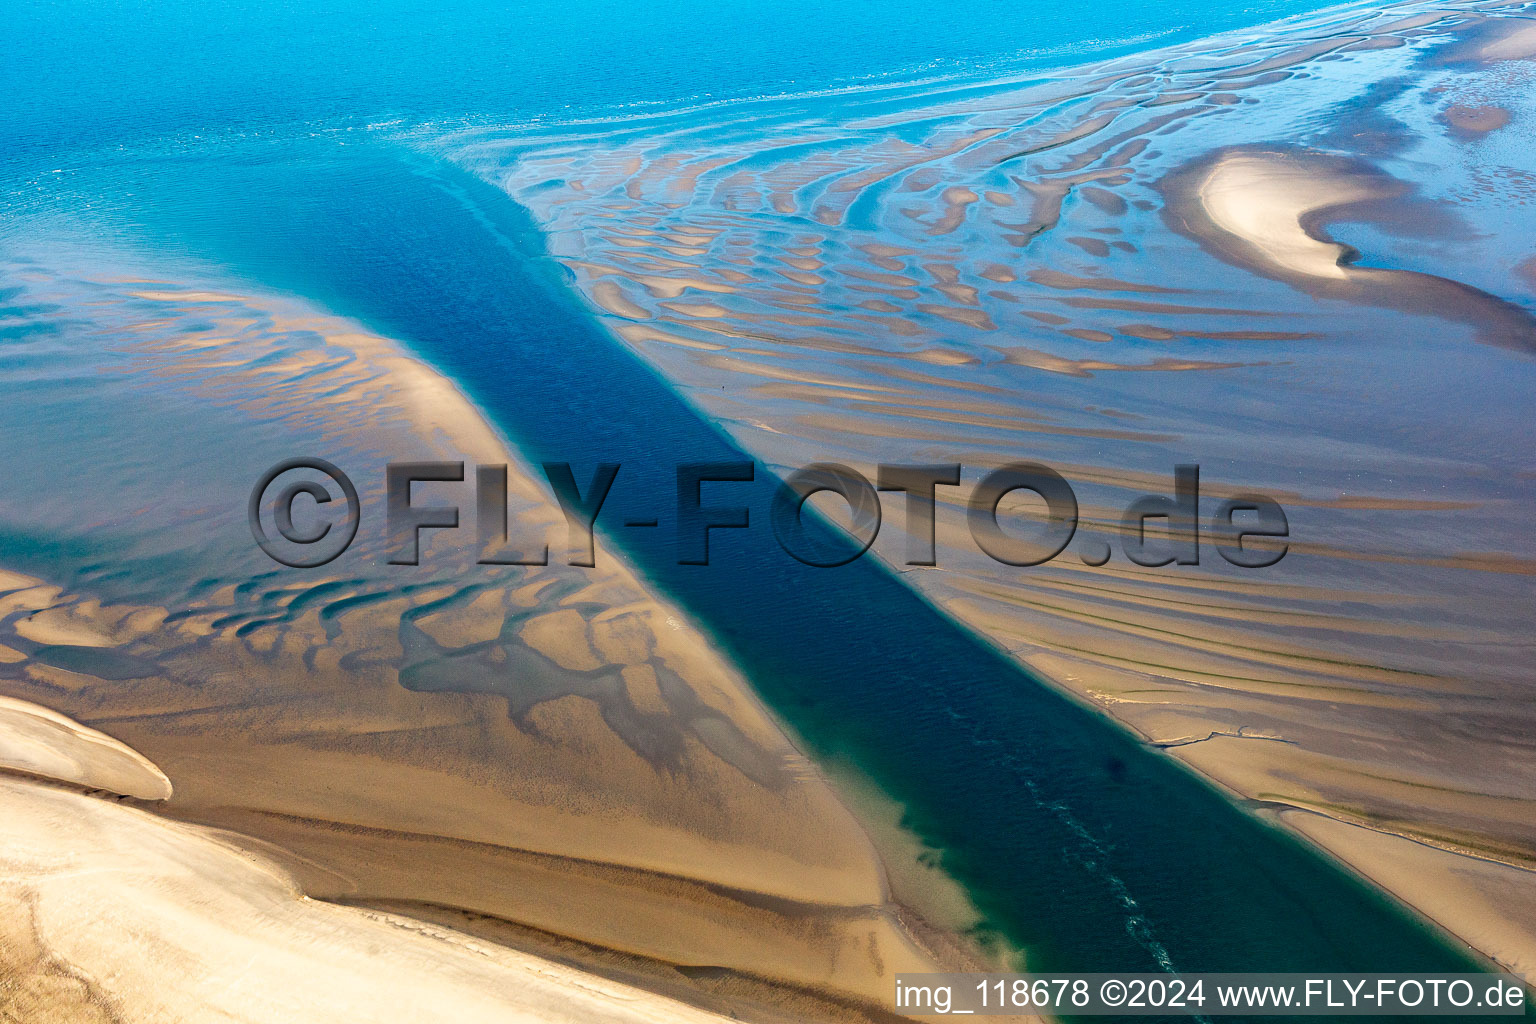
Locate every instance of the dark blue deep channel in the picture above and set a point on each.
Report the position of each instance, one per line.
(1080, 845)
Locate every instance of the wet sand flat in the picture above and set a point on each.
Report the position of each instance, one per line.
(1286, 259)
(545, 749)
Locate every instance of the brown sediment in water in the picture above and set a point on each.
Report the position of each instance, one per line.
(1473, 122)
(1527, 270)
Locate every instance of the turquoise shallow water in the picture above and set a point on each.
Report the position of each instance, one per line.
(220, 134)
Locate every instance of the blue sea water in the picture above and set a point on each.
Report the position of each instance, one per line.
(78, 76)
(211, 130)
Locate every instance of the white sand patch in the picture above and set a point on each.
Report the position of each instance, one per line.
(42, 742)
(162, 921)
(1262, 199)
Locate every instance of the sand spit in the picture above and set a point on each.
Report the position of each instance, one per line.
(109, 913)
(547, 746)
(1268, 209)
(1262, 199)
(38, 741)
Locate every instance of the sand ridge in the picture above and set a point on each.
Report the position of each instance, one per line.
(38, 741)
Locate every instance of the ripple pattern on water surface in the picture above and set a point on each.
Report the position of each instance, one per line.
(1298, 257)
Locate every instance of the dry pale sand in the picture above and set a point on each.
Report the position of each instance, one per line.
(109, 913)
(38, 741)
(545, 754)
(1262, 199)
